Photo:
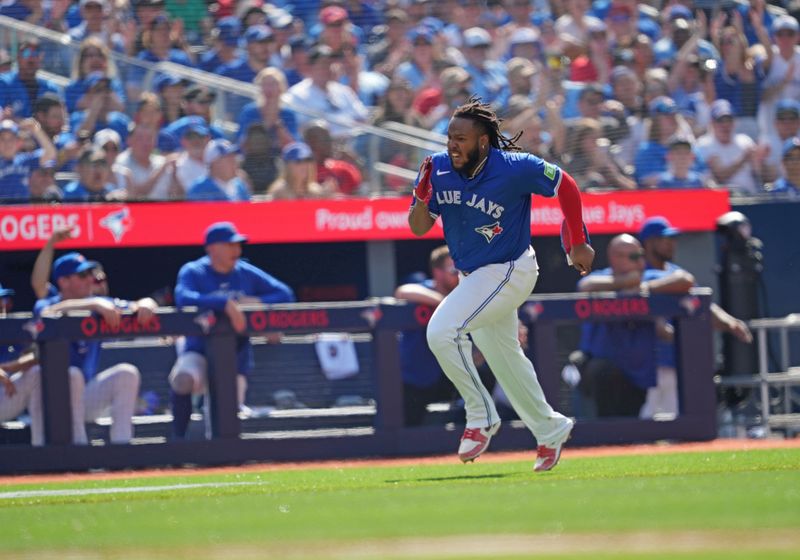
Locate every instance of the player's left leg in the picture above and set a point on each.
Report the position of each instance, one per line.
(116, 387)
(500, 346)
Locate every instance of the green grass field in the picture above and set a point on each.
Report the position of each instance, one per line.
(688, 505)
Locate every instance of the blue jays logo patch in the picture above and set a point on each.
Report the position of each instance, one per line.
(490, 231)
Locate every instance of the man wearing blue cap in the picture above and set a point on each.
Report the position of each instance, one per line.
(785, 127)
(788, 184)
(225, 37)
(259, 43)
(91, 391)
(659, 239)
(223, 181)
(621, 365)
(16, 166)
(221, 282)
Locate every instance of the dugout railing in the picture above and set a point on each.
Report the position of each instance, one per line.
(382, 318)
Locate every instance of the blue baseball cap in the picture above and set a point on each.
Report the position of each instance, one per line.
(223, 232)
(8, 125)
(663, 105)
(5, 292)
(657, 226)
(216, 149)
(72, 263)
(296, 151)
(94, 78)
(679, 11)
(787, 106)
(198, 128)
(720, 109)
(165, 80)
(228, 30)
(420, 32)
(256, 33)
(789, 145)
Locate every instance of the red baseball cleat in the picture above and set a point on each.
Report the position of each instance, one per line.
(475, 441)
(547, 456)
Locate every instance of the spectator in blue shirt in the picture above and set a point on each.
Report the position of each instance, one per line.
(49, 113)
(679, 173)
(266, 109)
(223, 182)
(20, 89)
(788, 184)
(489, 78)
(16, 167)
(93, 65)
(651, 157)
(225, 38)
(92, 184)
(100, 112)
(259, 43)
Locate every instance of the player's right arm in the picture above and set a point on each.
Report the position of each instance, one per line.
(420, 219)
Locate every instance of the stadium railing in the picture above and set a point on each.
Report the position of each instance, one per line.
(371, 143)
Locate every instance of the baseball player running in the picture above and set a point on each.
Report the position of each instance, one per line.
(481, 188)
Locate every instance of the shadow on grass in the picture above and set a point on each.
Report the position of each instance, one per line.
(459, 477)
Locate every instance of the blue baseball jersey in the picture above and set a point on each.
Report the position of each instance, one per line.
(75, 191)
(487, 219)
(83, 354)
(665, 351)
(208, 188)
(201, 286)
(14, 174)
(15, 94)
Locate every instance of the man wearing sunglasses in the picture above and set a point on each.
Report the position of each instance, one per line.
(21, 88)
(92, 392)
(618, 365)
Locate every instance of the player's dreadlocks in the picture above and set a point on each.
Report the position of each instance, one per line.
(483, 114)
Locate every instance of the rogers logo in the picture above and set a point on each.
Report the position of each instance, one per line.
(118, 223)
(260, 320)
(626, 307)
(128, 324)
(38, 227)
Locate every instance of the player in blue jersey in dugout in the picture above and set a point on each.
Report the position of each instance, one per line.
(481, 188)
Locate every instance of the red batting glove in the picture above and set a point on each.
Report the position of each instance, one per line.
(424, 189)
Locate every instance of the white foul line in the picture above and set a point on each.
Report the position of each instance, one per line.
(116, 490)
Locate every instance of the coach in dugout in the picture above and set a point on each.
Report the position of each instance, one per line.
(221, 282)
(93, 391)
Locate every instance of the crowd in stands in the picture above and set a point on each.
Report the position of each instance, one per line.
(624, 95)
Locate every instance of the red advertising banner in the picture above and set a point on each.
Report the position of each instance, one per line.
(157, 224)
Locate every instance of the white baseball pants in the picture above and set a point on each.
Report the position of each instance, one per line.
(115, 388)
(189, 375)
(28, 396)
(484, 304)
(663, 398)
